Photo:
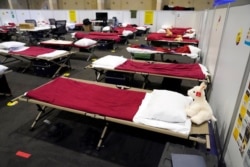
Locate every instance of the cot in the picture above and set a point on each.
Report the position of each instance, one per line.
(84, 45)
(99, 101)
(37, 57)
(189, 51)
(183, 71)
(106, 39)
(4, 86)
(154, 38)
(137, 30)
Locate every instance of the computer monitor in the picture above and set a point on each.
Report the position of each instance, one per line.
(101, 16)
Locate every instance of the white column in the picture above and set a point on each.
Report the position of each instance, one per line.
(100, 4)
(50, 5)
(158, 4)
(10, 4)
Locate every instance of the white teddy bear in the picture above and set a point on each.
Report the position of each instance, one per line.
(199, 110)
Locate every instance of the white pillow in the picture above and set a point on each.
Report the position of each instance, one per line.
(85, 42)
(11, 44)
(161, 31)
(107, 28)
(167, 106)
(194, 49)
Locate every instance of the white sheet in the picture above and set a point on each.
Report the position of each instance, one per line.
(193, 55)
(2, 69)
(141, 50)
(54, 54)
(109, 62)
(142, 116)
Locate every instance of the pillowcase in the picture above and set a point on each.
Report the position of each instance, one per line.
(167, 106)
(11, 44)
(85, 42)
(194, 49)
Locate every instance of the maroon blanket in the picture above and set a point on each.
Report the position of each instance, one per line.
(33, 51)
(106, 101)
(178, 70)
(181, 49)
(97, 37)
(154, 36)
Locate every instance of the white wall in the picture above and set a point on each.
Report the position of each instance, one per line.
(171, 18)
(231, 65)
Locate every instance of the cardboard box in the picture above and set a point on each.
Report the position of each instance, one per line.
(26, 26)
(87, 28)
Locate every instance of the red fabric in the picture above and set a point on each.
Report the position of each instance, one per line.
(104, 33)
(121, 29)
(179, 70)
(106, 101)
(33, 51)
(80, 35)
(162, 37)
(182, 49)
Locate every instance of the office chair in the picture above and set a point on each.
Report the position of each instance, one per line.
(31, 21)
(60, 29)
(52, 21)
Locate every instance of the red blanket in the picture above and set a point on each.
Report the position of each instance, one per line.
(178, 70)
(80, 35)
(154, 36)
(33, 51)
(181, 49)
(106, 101)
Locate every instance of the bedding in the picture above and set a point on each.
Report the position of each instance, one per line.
(31, 54)
(131, 109)
(186, 50)
(178, 70)
(98, 36)
(154, 36)
(84, 45)
(184, 71)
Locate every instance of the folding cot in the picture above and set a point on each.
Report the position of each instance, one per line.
(184, 71)
(84, 45)
(155, 38)
(99, 100)
(137, 30)
(37, 57)
(4, 86)
(109, 40)
(189, 51)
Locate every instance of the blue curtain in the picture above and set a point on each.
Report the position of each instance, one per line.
(222, 2)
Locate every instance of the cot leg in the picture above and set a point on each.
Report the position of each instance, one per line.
(145, 82)
(41, 110)
(102, 136)
(35, 121)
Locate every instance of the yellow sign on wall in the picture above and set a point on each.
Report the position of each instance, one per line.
(148, 17)
(72, 16)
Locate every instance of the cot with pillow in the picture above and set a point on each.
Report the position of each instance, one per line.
(13, 51)
(99, 100)
(84, 45)
(137, 30)
(155, 38)
(189, 51)
(4, 86)
(110, 40)
(183, 71)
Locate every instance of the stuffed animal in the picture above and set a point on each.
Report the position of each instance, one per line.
(199, 110)
(178, 38)
(168, 32)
